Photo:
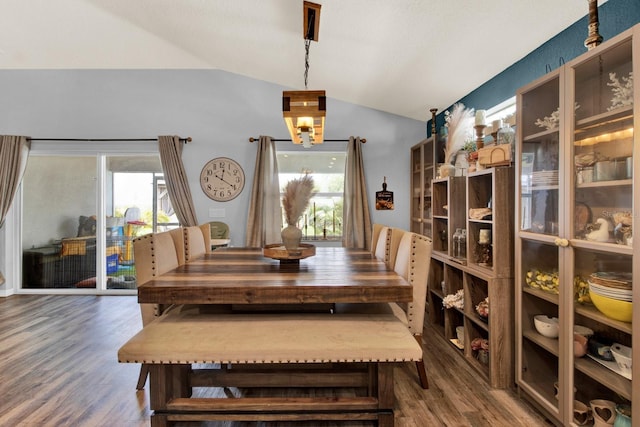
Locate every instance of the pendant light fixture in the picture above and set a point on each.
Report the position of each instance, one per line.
(304, 110)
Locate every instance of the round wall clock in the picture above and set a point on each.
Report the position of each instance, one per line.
(222, 179)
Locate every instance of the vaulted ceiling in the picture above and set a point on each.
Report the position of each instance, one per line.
(398, 56)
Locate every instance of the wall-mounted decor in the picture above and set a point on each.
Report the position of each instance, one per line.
(384, 198)
(222, 179)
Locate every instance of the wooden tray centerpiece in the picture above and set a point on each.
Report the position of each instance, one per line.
(279, 252)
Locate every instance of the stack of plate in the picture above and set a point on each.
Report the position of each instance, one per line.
(540, 178)
(612, 285)
(611, 294)
(615, 293)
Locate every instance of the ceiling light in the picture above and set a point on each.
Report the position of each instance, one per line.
(304, 110)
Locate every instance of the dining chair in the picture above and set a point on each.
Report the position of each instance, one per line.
(219, 234)
(394, 244)
(197, 241)
(412, 262)
(383, 245)
(375, 234)
(219, 230)
(154, 254)
(177, 234)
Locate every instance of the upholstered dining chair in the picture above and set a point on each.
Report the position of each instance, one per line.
(197, 241)
(177, 234)
(394, 244)
(375, 234)
(153, 254)
(412, 262)
(383, 245)
(412, 259)
(219, 230)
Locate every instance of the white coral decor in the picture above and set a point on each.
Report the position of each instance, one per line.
(622, 94)
(454, 300)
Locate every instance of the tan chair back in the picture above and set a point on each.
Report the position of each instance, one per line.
(206, 234)
(165, 254)
(396, 238)
(383, 246)
(375, 234)
(153, 254)
(177, 234)
(412, 262)
(194, 242)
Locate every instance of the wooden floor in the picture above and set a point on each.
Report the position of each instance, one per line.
(58, 367)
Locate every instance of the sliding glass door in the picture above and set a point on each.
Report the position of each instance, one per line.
(80, 216)
(59, 222)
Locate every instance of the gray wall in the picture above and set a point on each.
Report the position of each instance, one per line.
(219, 110)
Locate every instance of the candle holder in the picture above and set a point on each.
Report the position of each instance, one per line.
(479, 135)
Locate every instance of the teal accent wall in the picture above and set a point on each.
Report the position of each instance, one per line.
(615, 16)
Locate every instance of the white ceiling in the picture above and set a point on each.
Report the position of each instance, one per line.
(398, 56)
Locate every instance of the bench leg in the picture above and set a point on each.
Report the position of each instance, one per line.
(159, 420)
(168, 382)
(386, 420)
(384, 384)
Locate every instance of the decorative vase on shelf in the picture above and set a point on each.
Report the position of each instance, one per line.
(446, 170)
(291, 237)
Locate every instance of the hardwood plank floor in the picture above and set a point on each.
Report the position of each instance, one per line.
(58, 367)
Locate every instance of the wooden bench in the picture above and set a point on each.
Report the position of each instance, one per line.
(272, 350)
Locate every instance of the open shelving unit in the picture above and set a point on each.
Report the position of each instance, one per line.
(479, 277)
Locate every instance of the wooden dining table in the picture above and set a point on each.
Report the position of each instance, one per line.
(246, 276)
(276, 350)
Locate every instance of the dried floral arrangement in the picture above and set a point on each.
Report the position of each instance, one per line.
(622, 93)
(458, 123)
(297, 194)
(480, 344)
(454, 300)
(483, 307)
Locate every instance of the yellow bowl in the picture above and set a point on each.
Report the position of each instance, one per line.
(613, 308)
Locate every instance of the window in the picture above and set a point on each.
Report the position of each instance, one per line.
(323, 218)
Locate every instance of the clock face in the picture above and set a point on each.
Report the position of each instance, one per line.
(222, 179)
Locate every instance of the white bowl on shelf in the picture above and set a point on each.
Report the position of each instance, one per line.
(622, 355)
(546, 326)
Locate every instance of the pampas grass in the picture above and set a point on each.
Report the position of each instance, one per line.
(297, 194)
(460, 121)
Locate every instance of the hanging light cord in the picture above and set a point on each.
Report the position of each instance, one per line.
(307, 43)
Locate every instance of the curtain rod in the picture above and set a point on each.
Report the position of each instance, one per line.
(363, 140)
(185, 140)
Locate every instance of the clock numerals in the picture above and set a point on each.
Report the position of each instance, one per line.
(222, 179)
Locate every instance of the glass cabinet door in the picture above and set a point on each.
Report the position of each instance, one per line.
(538, 267)
(600, 248)
(540, 156)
